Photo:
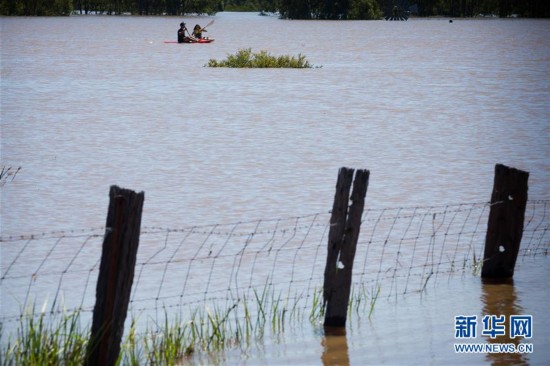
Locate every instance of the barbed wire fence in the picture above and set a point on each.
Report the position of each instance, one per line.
(400, 250)
(7, 174)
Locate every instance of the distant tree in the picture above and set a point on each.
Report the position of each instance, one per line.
(504, 8)
(330, 9)
(247, 5)
(364, 9)
(36, 7)
(269, 5)
(295, 9)
(63, 7)
(333, 9)
(13, 7)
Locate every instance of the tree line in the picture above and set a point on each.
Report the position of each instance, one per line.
(110, 7)
(290, 9)
(374, 9)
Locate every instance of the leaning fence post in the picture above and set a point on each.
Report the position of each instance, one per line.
(345, 224)
(505, 225)
(116, 274)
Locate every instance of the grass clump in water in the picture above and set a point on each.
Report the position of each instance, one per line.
(42, 342)
(361, 302)
(204, 332)
(245, 58)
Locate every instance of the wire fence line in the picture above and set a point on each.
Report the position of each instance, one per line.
(400, 250)
(7, 174)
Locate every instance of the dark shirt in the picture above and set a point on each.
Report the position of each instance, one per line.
(181, 34)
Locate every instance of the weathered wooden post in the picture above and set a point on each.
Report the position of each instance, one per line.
(116, 274)
(505, 226)
(345, 223)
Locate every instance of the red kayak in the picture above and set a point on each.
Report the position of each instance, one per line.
(189, 40)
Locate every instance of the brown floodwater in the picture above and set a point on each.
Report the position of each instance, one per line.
(428, 106)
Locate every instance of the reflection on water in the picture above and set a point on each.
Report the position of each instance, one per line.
(500, 298)
(335, 347)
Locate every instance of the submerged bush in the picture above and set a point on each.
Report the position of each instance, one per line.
(244, 58)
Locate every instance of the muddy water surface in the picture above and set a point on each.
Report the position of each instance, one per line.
(427, 106)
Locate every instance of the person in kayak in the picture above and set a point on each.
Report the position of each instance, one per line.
(197, 31)
(181, 33)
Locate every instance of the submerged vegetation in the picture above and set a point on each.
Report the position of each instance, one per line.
(54, 340)
(41, 341)
(245, 58)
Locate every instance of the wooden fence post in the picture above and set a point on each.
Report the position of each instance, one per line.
(505, 226)
(345, 224)
(116, 274)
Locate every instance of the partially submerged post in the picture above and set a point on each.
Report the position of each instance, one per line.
(505, 226)
(345, 223)
(116, 274)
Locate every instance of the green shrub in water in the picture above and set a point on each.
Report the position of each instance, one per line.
(245, 58)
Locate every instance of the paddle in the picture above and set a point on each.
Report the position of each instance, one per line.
(190, 36)
(203, 28)
(208, 25)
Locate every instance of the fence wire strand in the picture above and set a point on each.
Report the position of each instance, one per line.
(400, 250)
